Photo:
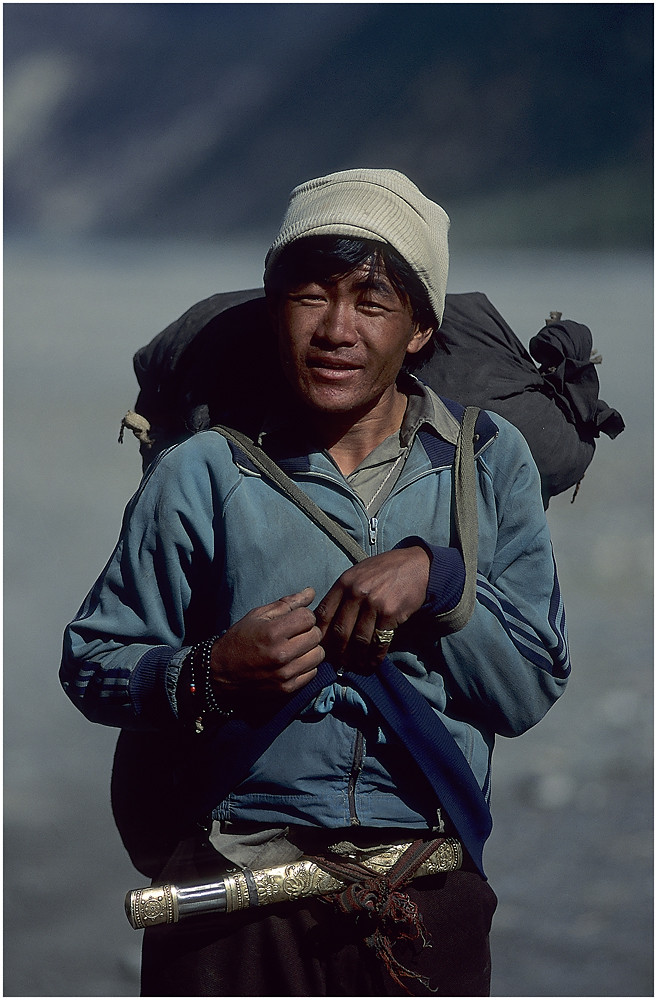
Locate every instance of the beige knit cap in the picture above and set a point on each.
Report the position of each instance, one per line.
(378, 205)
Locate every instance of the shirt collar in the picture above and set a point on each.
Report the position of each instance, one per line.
(424, 407)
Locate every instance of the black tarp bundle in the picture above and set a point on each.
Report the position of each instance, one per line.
(218, 363)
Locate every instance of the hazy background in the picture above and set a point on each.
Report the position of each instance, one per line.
(149, 151)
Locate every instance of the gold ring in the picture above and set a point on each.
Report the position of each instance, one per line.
(383, 636)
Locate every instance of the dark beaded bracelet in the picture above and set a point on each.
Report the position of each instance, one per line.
(200, 661)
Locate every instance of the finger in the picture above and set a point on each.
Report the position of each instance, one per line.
(339, 632)
(291, 602)
(328, 606)
(307, 663)
(382, 638)
(304, 642)
(363, 631)
(299, 672)
(299, 622)
(290, 687)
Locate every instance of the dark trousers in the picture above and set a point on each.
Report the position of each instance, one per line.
(307, 948)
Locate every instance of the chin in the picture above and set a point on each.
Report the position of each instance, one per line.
(329, 406)
(327, 400)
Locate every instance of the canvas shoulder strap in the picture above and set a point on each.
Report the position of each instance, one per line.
(273, 472)
(466, 520)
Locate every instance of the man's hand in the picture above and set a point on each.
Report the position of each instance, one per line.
(381, 592)
(273, 650)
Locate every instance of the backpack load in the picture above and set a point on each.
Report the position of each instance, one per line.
(218, 363)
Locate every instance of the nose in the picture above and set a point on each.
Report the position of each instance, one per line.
(338, 325)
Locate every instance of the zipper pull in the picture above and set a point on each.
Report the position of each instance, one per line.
(374, 523)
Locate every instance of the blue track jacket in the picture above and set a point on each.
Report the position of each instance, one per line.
(206, 539)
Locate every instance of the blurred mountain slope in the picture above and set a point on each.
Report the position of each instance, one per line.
(197, 119)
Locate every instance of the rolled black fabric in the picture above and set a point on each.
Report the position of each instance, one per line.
(563, 351)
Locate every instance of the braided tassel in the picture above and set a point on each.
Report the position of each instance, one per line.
(394, 913)
(396, 917)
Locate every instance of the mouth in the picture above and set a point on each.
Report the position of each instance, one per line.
(338, 365)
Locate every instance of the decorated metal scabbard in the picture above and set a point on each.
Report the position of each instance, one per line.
(167, 904)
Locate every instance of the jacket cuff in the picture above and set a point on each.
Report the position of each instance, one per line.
(153, 683)
(446, 575)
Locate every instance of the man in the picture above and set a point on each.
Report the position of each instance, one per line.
(224, 608)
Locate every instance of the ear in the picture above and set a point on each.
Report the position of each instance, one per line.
(418, 339)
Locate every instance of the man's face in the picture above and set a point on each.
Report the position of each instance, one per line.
(342, 344)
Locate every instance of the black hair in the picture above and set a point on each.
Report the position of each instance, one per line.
(329, 258)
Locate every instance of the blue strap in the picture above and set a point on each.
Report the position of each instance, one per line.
(433, 749)
(224, 757)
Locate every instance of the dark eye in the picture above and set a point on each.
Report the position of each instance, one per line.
(307, 300)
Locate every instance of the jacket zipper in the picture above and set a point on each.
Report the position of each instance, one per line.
(356, 768)
(373, 522)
